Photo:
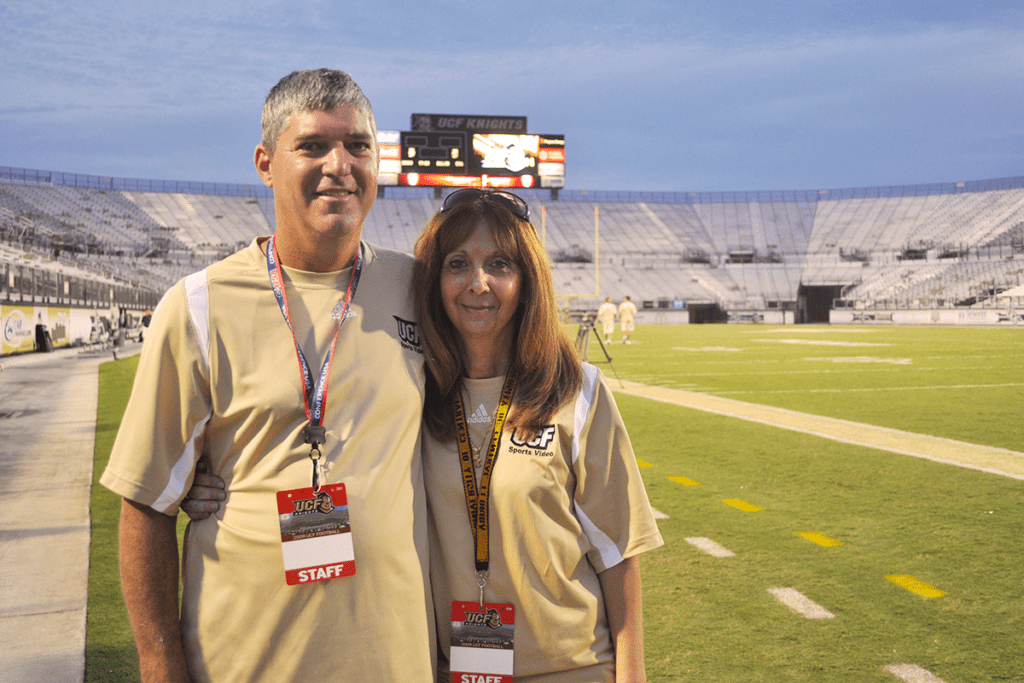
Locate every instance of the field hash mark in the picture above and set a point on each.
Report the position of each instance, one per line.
(916, 586)
(800, 603)
(710, 547)
(820, 539)
(912, 673)
(742, 505)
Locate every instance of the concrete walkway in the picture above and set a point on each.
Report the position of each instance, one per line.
(989, 459)
(47, 433)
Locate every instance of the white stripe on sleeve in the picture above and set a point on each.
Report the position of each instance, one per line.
(609, 552)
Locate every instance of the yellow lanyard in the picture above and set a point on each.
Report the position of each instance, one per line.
(476, 499)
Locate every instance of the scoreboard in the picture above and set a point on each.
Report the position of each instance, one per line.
(471, 151)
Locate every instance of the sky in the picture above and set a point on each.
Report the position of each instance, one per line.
(651, 95)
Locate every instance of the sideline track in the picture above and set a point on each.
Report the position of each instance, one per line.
(1000, 461)
(47, 436)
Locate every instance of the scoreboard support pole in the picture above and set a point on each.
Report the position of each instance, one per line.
(597, 253)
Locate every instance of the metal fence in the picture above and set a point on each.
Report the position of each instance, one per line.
(29, 176)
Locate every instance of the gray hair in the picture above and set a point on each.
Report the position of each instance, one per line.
(316, 90)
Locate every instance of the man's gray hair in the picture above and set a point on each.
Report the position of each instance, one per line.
(316, 90)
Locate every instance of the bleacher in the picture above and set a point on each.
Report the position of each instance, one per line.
(951, 245)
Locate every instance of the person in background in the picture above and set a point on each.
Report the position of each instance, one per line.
(292, 369)
(606, 314)
(627, 313)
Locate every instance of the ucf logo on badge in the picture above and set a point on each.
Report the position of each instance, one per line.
(322, 504)
(490, 618)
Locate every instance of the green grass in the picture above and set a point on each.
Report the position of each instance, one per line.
(959, 383)
(110, 650)
(711, 619)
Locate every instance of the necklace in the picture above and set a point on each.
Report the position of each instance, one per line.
(478, 453)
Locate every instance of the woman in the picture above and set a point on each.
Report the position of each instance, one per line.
(567, 511)
(537, 510)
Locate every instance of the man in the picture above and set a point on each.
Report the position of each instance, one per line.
(627, 313)
(606, 314)
(220, 378)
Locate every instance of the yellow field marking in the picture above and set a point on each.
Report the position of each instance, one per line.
(641, 463)
(684, 481)
(916, 586)
(820, 539)
(742, 505)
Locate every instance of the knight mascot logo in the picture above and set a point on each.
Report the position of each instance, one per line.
(324, 504)
(493, 619)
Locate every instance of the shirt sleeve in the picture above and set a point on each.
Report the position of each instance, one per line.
(610, 499)
(161, 435)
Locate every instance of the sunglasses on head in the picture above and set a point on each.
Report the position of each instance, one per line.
(517, 205)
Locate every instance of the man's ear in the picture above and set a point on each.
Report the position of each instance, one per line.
(261, 159)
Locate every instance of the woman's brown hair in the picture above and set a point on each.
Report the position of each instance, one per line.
(546, 362)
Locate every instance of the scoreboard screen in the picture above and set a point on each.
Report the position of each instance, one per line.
(482, 160)
(433, 152)
(471, 151)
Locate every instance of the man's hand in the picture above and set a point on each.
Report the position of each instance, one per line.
(205, 496)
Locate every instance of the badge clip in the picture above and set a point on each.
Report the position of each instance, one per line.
(481, 581)
(315, 434)
(315, 455)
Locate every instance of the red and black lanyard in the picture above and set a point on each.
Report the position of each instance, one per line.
(315, 391)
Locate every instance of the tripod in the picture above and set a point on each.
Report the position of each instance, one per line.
(583, 342)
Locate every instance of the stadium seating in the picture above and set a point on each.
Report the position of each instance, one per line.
(907, 247)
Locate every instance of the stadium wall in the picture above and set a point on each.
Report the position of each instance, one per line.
(64, 326)
(1010, 316)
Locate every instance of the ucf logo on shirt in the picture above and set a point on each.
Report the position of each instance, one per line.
(535, 441)
(408, 335)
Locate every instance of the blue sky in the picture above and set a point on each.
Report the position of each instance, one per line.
(650, 94)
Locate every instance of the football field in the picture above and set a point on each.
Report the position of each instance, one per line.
(791, 554)
(796, 557)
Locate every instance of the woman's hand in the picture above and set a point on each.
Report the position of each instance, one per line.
(203, 499)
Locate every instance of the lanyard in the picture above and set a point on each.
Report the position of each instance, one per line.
(314, 392)
(476, 500)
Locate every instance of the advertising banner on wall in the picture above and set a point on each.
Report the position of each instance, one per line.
(58, 322)
(18, 331)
